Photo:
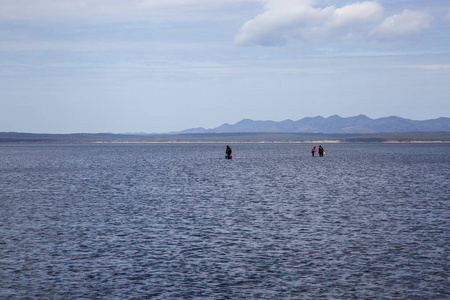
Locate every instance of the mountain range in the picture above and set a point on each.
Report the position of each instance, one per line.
(333, 124)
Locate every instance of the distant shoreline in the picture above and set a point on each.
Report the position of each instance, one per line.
(254, 138)
(275, 142)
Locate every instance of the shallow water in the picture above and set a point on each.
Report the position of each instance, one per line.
(178, 221)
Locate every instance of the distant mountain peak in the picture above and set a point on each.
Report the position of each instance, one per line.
(361, 116)
(335, 117)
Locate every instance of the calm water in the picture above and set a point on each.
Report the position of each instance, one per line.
(180, 222)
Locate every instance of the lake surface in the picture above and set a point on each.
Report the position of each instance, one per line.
(178, 221)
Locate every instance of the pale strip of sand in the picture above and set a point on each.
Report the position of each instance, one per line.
(416, 142)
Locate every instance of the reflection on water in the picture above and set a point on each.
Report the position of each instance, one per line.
(180, 222)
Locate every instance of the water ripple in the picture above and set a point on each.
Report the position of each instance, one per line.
(180, 222)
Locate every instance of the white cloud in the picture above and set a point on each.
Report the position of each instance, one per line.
(270, 27)
(294, 19)
(404, 24)
(311, 22)
(356, 13)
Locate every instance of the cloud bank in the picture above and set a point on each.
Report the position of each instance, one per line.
(304, 20)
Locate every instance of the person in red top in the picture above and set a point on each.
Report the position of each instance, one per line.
(313, 150)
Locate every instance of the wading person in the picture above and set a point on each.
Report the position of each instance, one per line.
(313, 150)
(228, 152)
(321, 151)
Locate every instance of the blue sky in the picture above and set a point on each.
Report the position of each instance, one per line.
(159, 66)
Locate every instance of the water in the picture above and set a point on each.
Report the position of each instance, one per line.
(178, 221)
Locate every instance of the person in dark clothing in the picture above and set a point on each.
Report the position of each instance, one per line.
(321, 151)
(228, 152)
(313, 150)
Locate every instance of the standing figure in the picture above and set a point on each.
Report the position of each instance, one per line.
(228, 152)
(321, 151)
(313, 150)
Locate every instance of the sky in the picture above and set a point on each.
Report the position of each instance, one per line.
(158, 66)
